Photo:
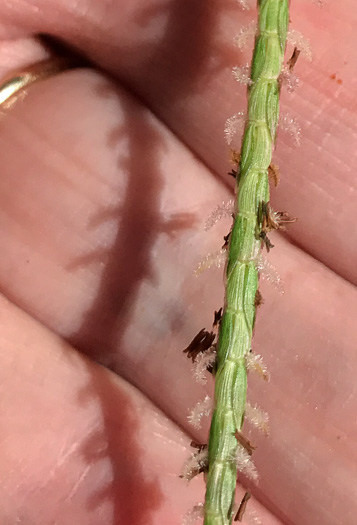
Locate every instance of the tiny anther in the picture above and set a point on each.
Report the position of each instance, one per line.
(266, 241)
(217, 317)
(235, 160)
(293, 59)
(242, 440)
(197, 463)
(199, 344)
(273, 174)
(198, 446)
(226, 240)
(273, 220)
(242, 507)
(258, 300)
(235, 156)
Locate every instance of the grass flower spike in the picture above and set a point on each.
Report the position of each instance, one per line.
(247, 237)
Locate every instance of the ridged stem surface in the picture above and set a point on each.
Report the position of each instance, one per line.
(238, 318)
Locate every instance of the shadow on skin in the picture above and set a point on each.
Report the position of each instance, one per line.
(134, 496)
(128, 262)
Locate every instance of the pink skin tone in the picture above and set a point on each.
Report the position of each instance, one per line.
(106, 182)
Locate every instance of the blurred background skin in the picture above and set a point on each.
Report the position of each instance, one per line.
(108, 174)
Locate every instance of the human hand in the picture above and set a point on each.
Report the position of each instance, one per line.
(103, 203)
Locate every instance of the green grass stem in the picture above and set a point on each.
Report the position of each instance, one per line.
(238, 319)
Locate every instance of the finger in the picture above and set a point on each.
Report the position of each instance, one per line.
(79, 445)
(110, 266)
(176, 55)
(17, 54)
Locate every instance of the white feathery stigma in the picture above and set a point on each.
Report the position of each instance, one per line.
(201, 409)
(269, 273)
(245, 464)
(291, 125)
(258, 417)
(194, 463)
(219, 212)
(242, 75)
(297, 39)
(255, 363)
(234, 125)
(203, 361)
(212, 260)
(246, 34)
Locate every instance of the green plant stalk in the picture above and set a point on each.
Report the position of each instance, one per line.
(238, 319)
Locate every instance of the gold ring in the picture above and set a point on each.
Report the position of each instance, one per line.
(14, 84)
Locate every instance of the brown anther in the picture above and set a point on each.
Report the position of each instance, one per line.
(293, 59)
(267, 242)
(273, 220)
(258, 300)
(199, 344)
(246, 444)
(242, 506)
(273, 174)
(198, 446)
(235, 156)
(202, 466)
(217, 317)
(235, 159)
(226, 240)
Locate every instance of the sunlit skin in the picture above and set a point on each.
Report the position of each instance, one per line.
(107, 179)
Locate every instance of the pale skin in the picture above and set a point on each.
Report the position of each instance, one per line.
(103, 203)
